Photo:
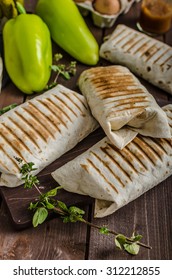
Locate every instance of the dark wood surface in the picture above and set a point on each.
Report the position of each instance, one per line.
(150, 215)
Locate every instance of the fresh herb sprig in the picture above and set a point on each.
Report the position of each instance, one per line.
(61, 69)
(47, 203)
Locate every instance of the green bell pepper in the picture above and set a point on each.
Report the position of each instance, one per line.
(27, 52)
(69, 30)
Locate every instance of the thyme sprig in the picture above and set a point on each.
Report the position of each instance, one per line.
(47, 203)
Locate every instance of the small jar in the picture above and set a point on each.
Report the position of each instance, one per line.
(155, 16)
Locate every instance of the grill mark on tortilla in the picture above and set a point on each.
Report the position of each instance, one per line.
(148, 53)
(4, 166)
(131, 108)
(19, 142)
(115, 99)
(135, 44)
(132, 100)
(41, 118)
(102, 86)
(169, 66)
(169, 142)
(105, 77)
(10, 158)
(119, 92)
(124, 155)
(34, 130)
(72, 101)
(159, 142)
(79, 99)
(55, 119)
(55, 110)
(154, 148)
(68, 108)
(100, 173)
(147, 150)
(122, 94)
(129, 156)
(123, 171)
(26, 134)
(107, 166)
(12, 145)
(117, 34)
(38, 125)
(166, 51)
(136, 154)
(121, 38)
(130, 40)
(142, 47)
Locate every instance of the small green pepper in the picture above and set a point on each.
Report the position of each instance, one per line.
(27, 52)
(69, 30)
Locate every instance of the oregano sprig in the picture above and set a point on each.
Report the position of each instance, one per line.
(61, 69)
(47, 203)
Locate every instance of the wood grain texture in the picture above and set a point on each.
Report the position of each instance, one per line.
(53, 240)
(149, 215)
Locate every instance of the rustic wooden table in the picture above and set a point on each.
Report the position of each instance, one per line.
(150, 215)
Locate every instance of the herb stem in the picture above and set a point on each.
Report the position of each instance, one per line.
(115, 233)
(34, 185)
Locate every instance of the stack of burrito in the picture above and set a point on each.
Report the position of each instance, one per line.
(115, 177)
(135, 155)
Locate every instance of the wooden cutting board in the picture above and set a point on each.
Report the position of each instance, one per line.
(18, 199)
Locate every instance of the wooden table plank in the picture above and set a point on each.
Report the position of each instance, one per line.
(52, 240)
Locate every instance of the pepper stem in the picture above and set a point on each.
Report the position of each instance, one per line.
(20, 8)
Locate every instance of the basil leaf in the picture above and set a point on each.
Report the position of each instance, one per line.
(40, 216)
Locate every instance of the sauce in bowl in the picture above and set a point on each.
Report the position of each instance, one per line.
(156, 16)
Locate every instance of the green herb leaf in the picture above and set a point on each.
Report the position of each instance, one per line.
(53, 192)
(49, 205)
(33, 206)
(132, 249)
(76, 211)
(62, 206)
(66, 75)
(58, 56)
(104, 230)
(137, 237)
(7, 108)
(39, 216)
(120, 240)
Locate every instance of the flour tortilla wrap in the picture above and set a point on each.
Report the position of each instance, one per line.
(41, 130)
(143, 55)
(117, 99)
(115, 177)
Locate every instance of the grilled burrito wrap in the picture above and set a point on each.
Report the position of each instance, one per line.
(117, 99)
(41, 130)
(115, 177)
(143, 55)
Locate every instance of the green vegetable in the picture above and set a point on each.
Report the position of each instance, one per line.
(69, 30)
(27, 52)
